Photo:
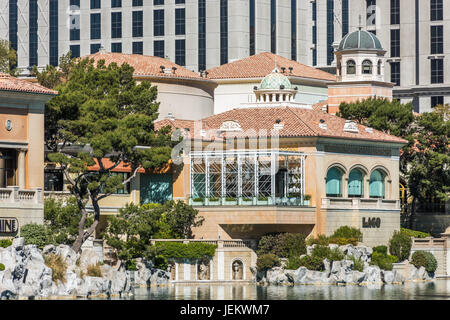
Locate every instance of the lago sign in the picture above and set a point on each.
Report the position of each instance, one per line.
(9, 225)
(371, 222)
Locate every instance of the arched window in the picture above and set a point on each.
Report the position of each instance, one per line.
(379, 67)
(355, 183)
(367, 67)
(351, 67)
(376, 186)
(334, 182)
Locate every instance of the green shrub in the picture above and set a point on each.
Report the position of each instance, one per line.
(335, 255)
(424, 259)
(160, 262)
(293, 263)
(343, 241)
(198, 199)
(94, 270)
(131, 265)
(400, 245)
(348, 233)
(380, 249)
(321, 252)
(263, 198)
(2, 267)
(307, 197)
(320, 240)
(37, 234)
(267, 261)
(381, 260)
(283, 245)
(230, 199)
(173, 250)
(214, 199)
(311, 263)
(5, 243)
(358, 264)
(58, 266)
(414, 233)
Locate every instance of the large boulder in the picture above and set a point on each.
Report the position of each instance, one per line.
(88, 257)
(159, 277)
(314, 277)
(373, 275)
(18, 243)
(277, 276)
(387, 276)
(296, 276)
(67, 254)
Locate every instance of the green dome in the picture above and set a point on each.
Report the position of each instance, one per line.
(360, 39)
(274, 81)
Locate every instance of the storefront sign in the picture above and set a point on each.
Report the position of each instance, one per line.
(9, 225)
(371, 222)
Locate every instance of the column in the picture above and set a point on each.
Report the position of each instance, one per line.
(21, 168)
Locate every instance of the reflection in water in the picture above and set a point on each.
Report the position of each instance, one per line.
(439, 289)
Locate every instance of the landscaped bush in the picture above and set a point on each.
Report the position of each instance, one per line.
(58, 266)
(37, 234)
(192, 250)
(2, 267)
(321, 252)
(267, 261)
(400, 245)
(380, 249)
(335, 255)
(383, 261)
(414, 233)
(283, 245)
(358, 264)
(312, 263)
(424, 259)
(343, 241)
(160, 262)
(320, 240)
(5, 243)
(348, 233)
(94, 270)
(293, 263)
(130, 265)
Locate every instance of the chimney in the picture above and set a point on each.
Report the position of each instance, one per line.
(102, 50)
(170, 116)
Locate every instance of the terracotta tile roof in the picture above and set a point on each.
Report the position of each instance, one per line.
(260, 65)
(297, 122)
(146, 65)
(319, 105)
(124, 167)
(10, 83)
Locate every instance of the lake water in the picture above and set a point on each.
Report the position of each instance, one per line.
(438, 289)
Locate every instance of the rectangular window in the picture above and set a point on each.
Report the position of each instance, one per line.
(53, 180)
(158, 22)
(371, 6)
(345, 18)
(180, 52)
(180, 21)
(273, 26)
(116, 25)
(158, 48)
(201, 35)
(395, 43)
(116, 3)
(180, 1)
(437, 100)
(395, 11)
(252, 27)
(96, 4)
(116, 47)
(314, 33)
(437, 39)
(437, 10)
(330, 31)
(223, 31)
(95, 47)
(75, 3)
(294, 30)
(158, 2)
(74, 27)
(138, 24)
(33, 33)
(96, 26)
(53, 32)
(395, 73)
(138, 47)
(137, 3)
(75, 49)
(437, 71)
(13, 28)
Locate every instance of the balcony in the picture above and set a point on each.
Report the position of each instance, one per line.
(13, 196)
(247, 178)
(360, 203)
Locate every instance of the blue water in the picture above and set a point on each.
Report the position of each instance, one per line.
(438, 289)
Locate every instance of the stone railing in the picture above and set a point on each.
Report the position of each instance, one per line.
(16, 195)
(360, 203)
(219, 243)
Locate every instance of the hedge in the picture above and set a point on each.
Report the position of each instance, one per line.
(283, 245)
(267, 261)
(424, 259)
(414, 233)
(192, 250)
(400, 245)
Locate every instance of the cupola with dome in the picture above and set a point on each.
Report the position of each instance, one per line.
(360, 57)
